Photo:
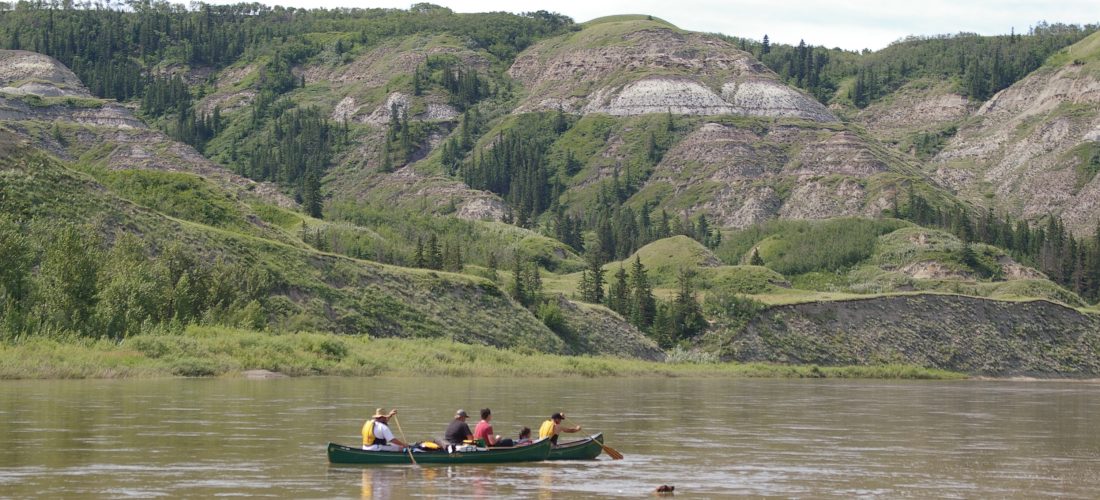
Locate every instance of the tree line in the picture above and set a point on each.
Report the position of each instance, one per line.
(1070, 261)
(65, 279)
(631, 295)
(978, 65)
(111, 46)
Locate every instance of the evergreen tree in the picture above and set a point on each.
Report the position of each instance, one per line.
(754, 259)
(533, 283)
(418, 257)
(618, 297)
(311, 194)
(643, 306)
(434, 254)
(664, 327)
(592, 281)
(687, 315)
(519, 282)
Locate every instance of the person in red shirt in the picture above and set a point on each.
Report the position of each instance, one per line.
(484, 431)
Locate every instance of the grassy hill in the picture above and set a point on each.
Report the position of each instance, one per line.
(249, 280)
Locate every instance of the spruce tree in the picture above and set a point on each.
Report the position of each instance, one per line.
(519, 285)
(687, 315)
(418, 257)
(592, 281)
(311, 194)
(618, 297)
(664, 328)
(434, 253)
(533, 281)
(755, 259)
(643, 306)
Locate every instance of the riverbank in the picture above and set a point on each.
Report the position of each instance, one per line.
(215, 351)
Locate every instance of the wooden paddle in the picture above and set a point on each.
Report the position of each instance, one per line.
(611, 452)
(408, 445)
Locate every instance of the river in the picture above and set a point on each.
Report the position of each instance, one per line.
(707, 437)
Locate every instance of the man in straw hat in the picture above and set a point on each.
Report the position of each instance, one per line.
(377, 435)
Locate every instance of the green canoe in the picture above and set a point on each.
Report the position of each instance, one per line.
(340, 454)
(584, 449)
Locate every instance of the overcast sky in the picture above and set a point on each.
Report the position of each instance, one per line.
(849, 24)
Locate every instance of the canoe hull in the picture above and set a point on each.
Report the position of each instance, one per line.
(584, 449)
(537, 451)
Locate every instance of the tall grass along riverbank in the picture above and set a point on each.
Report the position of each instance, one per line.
(206, 351)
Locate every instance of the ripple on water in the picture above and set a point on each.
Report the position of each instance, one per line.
(749, 438)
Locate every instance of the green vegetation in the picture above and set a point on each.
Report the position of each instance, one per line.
(398, 231)
(925, 145)
(795, 247)
(665, 258)
(205, 351)
(83, 272)
(133, 272)
(109, 48)
(1086, 162)
(177, 194)
(978, 65)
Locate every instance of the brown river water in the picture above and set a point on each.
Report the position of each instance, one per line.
(711, 438)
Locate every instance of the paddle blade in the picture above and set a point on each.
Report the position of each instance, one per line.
(612, 452)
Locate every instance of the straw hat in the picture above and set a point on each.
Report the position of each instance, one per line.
(380, 413)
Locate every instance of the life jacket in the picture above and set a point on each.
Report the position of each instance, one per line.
(368, 435)
(547, 431)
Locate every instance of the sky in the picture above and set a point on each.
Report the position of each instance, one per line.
(848, 24)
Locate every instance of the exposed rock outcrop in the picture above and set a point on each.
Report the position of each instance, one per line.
(637, 67)
(382, 115)
(742, 177)
(23, 72)
(921, 106)
(107, 133)
(1027, 146)
(410, 189)
(374, 68)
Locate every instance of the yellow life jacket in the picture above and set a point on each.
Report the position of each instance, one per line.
(547, 429)
(368, 434)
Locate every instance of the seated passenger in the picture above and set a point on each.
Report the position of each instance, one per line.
(458, 432)
(484, 431)
(524, 437)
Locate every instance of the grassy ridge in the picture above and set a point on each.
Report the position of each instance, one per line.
(306, 290)
(208, 351)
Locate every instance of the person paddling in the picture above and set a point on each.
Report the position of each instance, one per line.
(377, 435)
(484, 431)
(551, 428)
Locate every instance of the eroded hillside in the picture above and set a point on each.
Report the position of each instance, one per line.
(1032, 149)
